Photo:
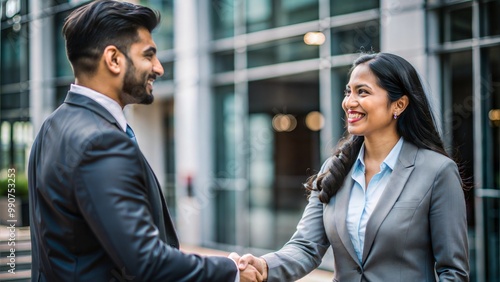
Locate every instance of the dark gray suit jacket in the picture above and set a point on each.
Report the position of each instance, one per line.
(418, 231)
(97, 210)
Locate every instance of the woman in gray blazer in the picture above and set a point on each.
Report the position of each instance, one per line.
(389, 201)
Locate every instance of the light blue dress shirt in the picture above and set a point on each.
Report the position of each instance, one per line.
(364, 199)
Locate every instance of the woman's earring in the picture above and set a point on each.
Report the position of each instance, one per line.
(395, 116)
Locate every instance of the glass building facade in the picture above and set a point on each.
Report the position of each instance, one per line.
(247, 111)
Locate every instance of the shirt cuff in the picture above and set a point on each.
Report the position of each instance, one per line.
(237, 278)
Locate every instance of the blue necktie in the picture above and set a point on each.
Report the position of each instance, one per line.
(131, 134)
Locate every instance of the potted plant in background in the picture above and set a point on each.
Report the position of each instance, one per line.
(20, 195)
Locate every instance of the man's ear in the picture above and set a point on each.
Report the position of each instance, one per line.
(113, 59)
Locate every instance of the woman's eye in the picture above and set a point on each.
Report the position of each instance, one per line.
(362, 91)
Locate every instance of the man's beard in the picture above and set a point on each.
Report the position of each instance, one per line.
(134, 90)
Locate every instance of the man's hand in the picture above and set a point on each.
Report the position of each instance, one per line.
(250, 263)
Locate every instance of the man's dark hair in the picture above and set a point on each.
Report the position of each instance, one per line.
(89, 29)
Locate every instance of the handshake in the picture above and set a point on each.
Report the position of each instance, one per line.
(251, 268)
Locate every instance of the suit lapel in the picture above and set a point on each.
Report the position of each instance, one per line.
(397, 181)
(340, 215)
(86, 102)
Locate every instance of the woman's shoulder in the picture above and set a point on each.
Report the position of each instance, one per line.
(433, 159)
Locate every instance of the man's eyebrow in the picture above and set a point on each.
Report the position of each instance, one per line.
(150, 49)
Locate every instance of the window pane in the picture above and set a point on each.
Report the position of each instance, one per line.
(297, 11)
(456, 24)
(459, 113)
(265, 14)
(75, 2)
(225, 165)
(281, 51)
(355, 38)
(490, 79)
(458, 106)
(340, 7)
(5, 142)
(163, 35)
(340, 78)
(275, 175)
(169, 156)
(224, 62)
(61, 92)
(259, 15)
(490, 18)
(63, 66)
(225, 132)
(19, 135)
(10, 66)
(22, 137)
(490, 85)
(225, 216)
(10, 101)
(58, 2)
(14, 105)
(491, 213)
(168, 69)
(261, 180)
(222, 18)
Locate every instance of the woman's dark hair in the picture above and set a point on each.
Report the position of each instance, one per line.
(92, 27)
(416, 124)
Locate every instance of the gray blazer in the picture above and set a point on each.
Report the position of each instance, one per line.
(418, 231)
(97, 210)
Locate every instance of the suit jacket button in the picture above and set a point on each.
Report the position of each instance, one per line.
(359, 270)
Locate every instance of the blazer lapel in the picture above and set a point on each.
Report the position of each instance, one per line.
(397, 181)
(340, 215)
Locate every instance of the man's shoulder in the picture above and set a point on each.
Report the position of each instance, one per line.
(77, 123)
(77, 116)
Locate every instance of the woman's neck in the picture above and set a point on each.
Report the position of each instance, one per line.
(377, 149)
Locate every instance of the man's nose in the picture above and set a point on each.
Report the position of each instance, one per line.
(158, 68)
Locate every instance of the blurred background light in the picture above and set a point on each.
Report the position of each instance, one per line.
(494, 116)
(12, 7)
(315, 121)
(284, 123)
(314, 38)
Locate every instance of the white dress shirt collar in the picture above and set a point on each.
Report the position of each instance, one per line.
(109, 104)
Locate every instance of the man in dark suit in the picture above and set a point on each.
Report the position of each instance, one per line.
(97, 210)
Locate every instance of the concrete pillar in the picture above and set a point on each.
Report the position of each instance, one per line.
(41, 44)
(192, 119)
(400, 37)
